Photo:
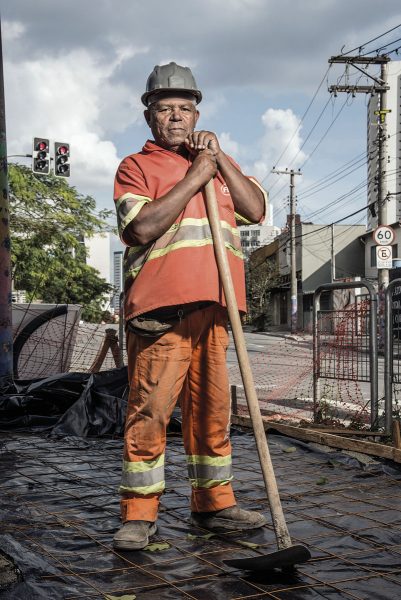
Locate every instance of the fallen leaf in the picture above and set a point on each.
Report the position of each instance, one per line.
(290, 449)
(322, 481)
(207, 536)
(157, 546)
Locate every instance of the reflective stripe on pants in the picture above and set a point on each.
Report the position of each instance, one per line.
(188, 361)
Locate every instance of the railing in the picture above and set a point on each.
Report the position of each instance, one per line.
(345, 346)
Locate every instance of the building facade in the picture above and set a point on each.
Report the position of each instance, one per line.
(316, 247)
(105, 252)
(256, 236)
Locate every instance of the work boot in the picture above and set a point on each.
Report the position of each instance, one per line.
(228, 519)
(134, 535)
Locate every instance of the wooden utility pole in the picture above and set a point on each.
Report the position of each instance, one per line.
(6, 337)
(294, 284)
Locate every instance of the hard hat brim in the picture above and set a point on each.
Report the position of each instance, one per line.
(195, 93)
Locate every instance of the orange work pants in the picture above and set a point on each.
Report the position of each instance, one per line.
(188, 361)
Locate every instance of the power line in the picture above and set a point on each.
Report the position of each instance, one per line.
(303, 116)
(324, 135)
(333, 179)
(380, 50)
(359, 48)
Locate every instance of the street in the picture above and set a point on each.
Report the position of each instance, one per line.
(282, 365)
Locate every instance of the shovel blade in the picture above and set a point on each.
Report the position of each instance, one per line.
(288, 557)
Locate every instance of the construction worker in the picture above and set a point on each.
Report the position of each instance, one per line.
(175, 308)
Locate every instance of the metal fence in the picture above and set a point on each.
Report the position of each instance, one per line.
(345, 348)
(392, 352)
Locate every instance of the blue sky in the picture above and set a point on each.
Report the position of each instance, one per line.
(75, 71)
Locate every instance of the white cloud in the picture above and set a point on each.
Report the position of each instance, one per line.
(12, 30)
(282, 133)
(211, 105)
(71, 99)
(230, 146)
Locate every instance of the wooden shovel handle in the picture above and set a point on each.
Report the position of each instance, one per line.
(279, 524)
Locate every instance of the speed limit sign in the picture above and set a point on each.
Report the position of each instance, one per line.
(383, 235)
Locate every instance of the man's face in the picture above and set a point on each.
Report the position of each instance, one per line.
(171, 120)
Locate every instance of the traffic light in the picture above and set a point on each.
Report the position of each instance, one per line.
(40, 156)
(61, 159)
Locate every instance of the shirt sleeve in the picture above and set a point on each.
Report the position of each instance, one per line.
(240, 219)
(130, 194)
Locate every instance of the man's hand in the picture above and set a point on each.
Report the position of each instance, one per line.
(204, 167)
(201, 140)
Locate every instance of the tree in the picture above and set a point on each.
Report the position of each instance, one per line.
(262, 276)
(49, 220)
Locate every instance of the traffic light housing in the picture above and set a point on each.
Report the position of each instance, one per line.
(62, 159)
(40, 156)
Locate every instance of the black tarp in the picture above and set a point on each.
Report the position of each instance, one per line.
(81, 404)
(60, 460)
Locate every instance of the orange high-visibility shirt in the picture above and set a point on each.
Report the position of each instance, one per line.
(180, 266)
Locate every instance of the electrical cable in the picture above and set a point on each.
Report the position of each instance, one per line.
(370, 41)
(302, 119)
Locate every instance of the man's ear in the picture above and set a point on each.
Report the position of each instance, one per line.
(146, 114)
(197, 115)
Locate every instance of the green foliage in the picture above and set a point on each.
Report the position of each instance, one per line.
(49, 221)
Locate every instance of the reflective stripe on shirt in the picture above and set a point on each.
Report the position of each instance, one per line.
(188, 233)
(127, 207)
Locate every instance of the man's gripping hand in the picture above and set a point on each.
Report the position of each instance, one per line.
(204, 167)
(202, 140)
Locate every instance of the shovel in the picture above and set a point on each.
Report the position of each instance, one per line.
(287, 554)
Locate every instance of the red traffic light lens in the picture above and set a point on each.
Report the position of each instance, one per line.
(62, 150)
(41, 146)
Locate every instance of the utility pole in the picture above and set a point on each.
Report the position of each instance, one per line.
(333, 256)
(6, 337)
(380, 86)
(293, 210)
(383, 274)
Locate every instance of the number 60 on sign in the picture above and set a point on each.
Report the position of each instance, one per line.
(383, 235)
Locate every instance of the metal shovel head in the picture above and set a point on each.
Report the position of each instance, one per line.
(293, 555)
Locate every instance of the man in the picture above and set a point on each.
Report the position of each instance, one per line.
(175, 308)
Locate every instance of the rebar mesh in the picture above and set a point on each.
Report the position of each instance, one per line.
(60, 510)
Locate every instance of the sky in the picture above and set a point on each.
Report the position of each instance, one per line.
(74, 72)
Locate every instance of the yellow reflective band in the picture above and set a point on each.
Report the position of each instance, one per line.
(209, 483)
(212, 461)
(128, 195)
(133, 272)
(240, 219)
(178, 245)
(156, 488)
(192, 222)
(143, 465)
(131, 215)
(190, 244)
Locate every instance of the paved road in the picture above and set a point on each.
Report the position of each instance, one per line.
(283, 371)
